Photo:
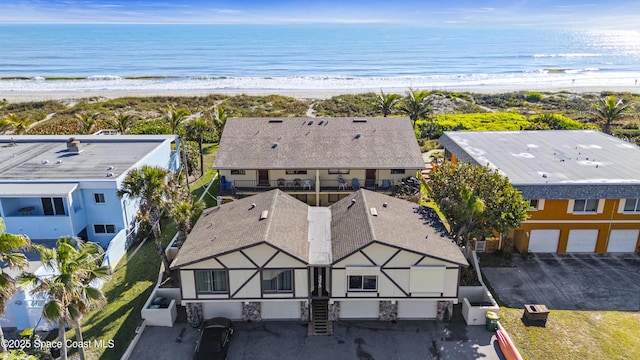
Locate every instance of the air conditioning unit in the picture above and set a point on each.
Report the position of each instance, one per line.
(481, 246)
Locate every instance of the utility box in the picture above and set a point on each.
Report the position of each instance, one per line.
(535, 315)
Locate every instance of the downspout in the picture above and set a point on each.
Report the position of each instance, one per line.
(317, 187)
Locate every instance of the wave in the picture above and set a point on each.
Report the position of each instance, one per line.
(576, 55)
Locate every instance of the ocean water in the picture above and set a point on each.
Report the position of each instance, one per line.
(118, 57)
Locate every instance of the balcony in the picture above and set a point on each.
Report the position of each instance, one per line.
(231, 188)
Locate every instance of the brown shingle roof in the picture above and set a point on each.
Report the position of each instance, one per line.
(399, 224)
(235, 226)
(318, 143)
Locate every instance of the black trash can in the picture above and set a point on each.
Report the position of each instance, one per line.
(492, 321)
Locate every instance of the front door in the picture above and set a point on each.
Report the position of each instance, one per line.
(370, 179)
(319, 282)
(263, 177)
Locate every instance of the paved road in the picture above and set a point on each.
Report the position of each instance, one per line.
(570, 281)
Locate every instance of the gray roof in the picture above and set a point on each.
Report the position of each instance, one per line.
(318, 143)
(45, 157)
(236, 225)
(558, 164)
(401, 224)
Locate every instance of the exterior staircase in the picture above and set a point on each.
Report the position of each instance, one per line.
(320, 324)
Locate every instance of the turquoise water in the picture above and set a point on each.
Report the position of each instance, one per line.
(193, 57)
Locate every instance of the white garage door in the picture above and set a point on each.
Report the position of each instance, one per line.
(231, 310)
(280, 309)
(417, 309)
(359, 309)
(623, 241)
(544, 240)
(582, 241)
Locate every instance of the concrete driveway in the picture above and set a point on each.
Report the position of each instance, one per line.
(570, 281)
(358, 340)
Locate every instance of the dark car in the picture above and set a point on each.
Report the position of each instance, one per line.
(213, 342)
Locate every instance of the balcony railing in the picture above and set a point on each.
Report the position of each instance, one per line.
(231, 188)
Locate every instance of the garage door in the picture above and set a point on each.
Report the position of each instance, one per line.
(359, 309)
(623, 241)
(417, 309)
(544, 240)
(582, 241)
(280, 309)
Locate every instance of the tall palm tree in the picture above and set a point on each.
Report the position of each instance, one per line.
(87, 122)
(219, 116)
(153, 186)
(121, 122)
(609, 110)
(69, 292)
(415, 105)
(198, 129)
(174, 117)
(183, 212)
(16, 124)
(9, 243)
(386, 102)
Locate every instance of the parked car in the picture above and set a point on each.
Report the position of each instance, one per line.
(213, 342)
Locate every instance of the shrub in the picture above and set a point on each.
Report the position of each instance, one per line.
(150, 127)
(482, 121)
(533, 96)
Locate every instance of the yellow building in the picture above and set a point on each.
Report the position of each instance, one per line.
(583, 186)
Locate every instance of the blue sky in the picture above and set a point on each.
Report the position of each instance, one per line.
(621, 14)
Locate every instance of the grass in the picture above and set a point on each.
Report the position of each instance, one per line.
(128, 289)
(576, 335)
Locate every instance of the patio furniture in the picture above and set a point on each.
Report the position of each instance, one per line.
(26, 210)
(342, 185)
(386, 184)
(297, 183)
(307, 184)
(355, 184)
(281, 183)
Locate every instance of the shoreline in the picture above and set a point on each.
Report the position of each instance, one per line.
(320, 94)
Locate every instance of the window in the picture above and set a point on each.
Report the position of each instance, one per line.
(275, 281)
(397, 171)
(296, 172)
(104, 229)
(363, 283)
(585, 205)
(53, 206)
(533, 204)
(632, 205)
(339, 171)
(238, 172)
(99, 198)
(211, 281)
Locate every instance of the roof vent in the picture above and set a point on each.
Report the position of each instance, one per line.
(44, 162)
(359, 120)
(310, 122)
(58, 162)
(384, 204)
(253, 206)
(544, 175)
(264, 214)
(321, 122)
(275, 145)
(373, 211)
(357, 136)
(73, 145)
(275, 121)
(110, 167)
(109, 174)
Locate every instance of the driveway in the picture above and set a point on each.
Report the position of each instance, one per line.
(358, 340)
(569, 281)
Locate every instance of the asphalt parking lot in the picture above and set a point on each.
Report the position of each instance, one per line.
(358, 340)
(569, 281)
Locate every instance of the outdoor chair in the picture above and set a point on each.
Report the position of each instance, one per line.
(280, 183)
(307, 184)
(355, 184)
(342, 185)
(297, 183)
(386, 184)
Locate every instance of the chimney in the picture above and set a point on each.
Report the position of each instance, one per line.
(73, 146)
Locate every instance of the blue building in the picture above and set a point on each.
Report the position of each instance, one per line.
(52, 186)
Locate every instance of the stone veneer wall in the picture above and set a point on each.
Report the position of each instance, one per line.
(388, 311)
(334, 311)
(304, 311)
(445, 310)
(251, 311)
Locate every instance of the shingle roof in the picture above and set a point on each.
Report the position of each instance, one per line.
(318, 143)
(236, 225)
(401, 224)
(554, 164)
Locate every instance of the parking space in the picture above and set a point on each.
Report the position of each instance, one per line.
(570, 281)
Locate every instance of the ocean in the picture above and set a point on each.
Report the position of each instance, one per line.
(125, 57)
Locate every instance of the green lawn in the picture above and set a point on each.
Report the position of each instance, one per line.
(128, 289)
(576, 335)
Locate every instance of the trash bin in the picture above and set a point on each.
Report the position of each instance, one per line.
(492, 321)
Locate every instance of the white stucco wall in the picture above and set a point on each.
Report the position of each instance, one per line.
(279, 310)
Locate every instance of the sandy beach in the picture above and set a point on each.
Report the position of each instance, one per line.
(17, 96)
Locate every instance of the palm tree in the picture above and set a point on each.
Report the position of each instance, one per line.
(9, 243)
(467, 213)
(183, 212)
(415, 105)
(121, 122)
(69, 291)
(386, 102)
(198, 129)
(153, 186)
(87, 122)
(14, 123)
(219, 116)
(174, 117)
(608, 110)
